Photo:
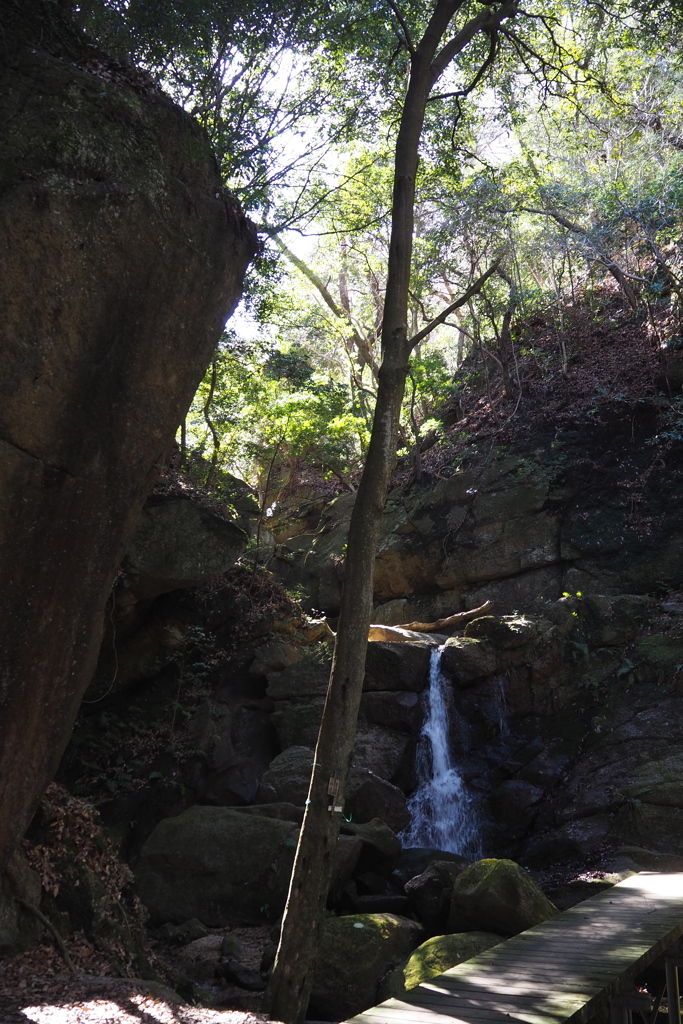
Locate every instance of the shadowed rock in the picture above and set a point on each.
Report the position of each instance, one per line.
(122, 257)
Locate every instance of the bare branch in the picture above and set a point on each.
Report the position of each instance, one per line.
(360, 342)
(404, 27)
(619, 275)
(474, 289)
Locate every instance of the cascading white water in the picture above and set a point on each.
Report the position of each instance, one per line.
(441, 809)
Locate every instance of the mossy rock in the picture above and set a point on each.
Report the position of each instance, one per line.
(433, 957)
(505, 633)
(662, 651)
(355, 954)
(497, 896)
(381, 847)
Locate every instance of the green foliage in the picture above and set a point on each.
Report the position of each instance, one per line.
(273, 415)
(565, 161)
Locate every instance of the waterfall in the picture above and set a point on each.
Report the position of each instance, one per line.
(441, 809)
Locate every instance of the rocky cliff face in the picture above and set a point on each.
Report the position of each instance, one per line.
(590, 505)
(543, 703)
(122, 257)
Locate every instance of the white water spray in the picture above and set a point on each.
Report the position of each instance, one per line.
(441, 810)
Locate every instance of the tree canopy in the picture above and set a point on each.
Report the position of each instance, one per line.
(553, 143)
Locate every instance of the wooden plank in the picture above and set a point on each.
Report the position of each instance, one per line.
(558, 971)
(424, 1015)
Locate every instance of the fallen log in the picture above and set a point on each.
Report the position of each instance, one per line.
(399, 633)
(450, 620)
(412, 630)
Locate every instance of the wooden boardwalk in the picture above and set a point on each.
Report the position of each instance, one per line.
(565, 969)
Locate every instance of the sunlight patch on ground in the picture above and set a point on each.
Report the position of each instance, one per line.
(136, 1009)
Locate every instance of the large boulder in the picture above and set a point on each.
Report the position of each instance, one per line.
(297, 722)
(416, 859)
(379, 749)
(218, 865)
(397, 666)
(505, 633)
(515, 804)
(433, 957)
(381, 848)
(370, 796)
(468, 658)
(430, 893)
(288, 777)
(274, 656)
(227, 866)
(304, 677)
(179, 543)
(122, 257)
(392, 708)
(497, 896)
(355, 953)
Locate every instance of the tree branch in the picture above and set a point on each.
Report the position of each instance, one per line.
(404, 27)
(59, 941)
(609, 264)
(474, 289)
(482, 22)
(360, 342)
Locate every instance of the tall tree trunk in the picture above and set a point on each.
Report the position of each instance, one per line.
(290, 984)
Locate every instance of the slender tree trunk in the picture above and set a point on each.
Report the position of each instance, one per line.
(290, 984)
(288, 992)
(212, 427)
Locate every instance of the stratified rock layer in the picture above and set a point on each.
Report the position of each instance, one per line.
(122, 257)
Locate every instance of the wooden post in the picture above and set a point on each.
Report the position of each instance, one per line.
(618, 1013)
(622, 1006)
(672, 992)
